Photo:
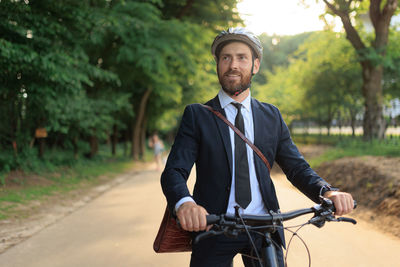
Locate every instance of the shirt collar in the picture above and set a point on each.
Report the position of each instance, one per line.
(225, 100)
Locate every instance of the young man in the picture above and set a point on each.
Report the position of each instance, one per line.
(228, 172)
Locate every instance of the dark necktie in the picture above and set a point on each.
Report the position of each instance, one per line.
(242, 178)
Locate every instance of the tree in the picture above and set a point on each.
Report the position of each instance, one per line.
(322, 79)
(276, 53)
(371, 56)
(44, 66)
(91, 71)
(332, 78)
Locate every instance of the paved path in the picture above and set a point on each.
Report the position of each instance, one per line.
(118, 228)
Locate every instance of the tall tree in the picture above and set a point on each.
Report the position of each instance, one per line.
(371, 55)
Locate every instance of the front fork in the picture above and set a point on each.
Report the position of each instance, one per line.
(269, 252)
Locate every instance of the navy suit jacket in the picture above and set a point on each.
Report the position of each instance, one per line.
(204, 139)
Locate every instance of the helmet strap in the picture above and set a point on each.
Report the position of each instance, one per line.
(252, 66)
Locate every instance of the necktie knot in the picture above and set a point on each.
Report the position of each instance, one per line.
(237, 105)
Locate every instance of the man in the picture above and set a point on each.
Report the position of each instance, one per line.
(229, 173)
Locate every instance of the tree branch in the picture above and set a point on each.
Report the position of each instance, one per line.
(389, 9)
(374, 12)
(333, 8)
(381, 20)
(185, 9)
(351, 33)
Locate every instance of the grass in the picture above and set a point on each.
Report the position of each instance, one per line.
(348, 146)
(57, 180)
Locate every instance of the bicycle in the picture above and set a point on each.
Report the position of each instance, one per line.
(265, 225)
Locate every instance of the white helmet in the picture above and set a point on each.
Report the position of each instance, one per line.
(237, 34)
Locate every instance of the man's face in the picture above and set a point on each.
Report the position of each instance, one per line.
(234, 67)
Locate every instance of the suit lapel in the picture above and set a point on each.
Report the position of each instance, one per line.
(259, 137)
(222, 128)
(257, 121)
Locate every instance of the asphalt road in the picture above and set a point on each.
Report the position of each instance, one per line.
(118, 229)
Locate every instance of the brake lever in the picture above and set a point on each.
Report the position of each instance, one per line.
(345, 219)
(201, 236)
(322, 217)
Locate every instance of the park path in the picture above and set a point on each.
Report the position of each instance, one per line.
(118, 229)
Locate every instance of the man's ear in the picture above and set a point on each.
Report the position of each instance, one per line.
(216, 59)
(256, 67)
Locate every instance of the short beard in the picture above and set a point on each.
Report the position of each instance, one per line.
(235, 89)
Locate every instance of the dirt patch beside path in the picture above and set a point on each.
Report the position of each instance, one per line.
(374, 182)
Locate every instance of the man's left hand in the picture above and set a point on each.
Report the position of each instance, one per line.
(343, 202)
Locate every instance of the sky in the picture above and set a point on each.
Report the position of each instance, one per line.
(281, 17)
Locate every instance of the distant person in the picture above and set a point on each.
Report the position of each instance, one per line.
(228, 172)
(158, 148)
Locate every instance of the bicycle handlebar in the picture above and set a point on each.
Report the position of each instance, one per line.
(327, 206)
(228, 223)
(259, 219)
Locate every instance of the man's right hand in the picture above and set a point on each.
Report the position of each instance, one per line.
(192, 217)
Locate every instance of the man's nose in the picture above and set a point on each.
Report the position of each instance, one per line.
(234, 64)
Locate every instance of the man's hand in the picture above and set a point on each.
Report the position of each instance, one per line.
(343, 202)
(192, 217)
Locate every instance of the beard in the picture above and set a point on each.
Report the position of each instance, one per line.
(235, 87)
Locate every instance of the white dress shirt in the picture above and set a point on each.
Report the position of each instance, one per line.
(256, 205)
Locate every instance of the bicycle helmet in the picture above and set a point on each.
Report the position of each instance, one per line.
(240, 35)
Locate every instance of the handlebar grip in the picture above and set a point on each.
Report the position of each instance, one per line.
(344, 219)
(212, 219)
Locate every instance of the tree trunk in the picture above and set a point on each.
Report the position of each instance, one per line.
(138, 124)
(142, 147)
(185, 9)
(353, 126)
(374, 123)
(15, 147)
(126, 142)
(13, 126)
(75, 146)
(41, 147)
(114, 140)
(94, 146)
(353, 120)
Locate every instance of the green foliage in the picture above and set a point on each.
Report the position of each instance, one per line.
(321, 83)
(45, 67)
(391, 85)
(332, 79)
(79, 69)
(276, 53)
(217, 14)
